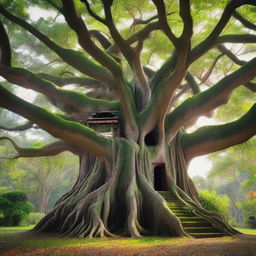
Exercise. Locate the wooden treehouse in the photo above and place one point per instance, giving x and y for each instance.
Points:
(105, 122)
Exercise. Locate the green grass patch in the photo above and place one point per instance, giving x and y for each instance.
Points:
(18, 228)
(248, 231)
(16, 239)
(14, 234)
(103, 242)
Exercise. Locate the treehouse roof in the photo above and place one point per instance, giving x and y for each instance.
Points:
(103, 117)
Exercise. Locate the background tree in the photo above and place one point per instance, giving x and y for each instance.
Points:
(14, 207)
(39, 173)
(238, 162)
(43, 180)
(157, 89)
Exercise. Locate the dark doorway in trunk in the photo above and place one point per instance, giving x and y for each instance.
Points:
(160, 183)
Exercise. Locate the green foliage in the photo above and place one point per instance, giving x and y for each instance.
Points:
(40, 174)
(212, 202)
(202, 183)
(240, 102)
(33, 218)
(15, 196)
(14, 207)
(249, 210)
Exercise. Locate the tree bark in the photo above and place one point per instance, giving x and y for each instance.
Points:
(118, 197)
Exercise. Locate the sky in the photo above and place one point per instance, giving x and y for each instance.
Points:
(200, 165)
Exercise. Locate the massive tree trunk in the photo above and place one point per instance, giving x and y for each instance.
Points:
(121, 196)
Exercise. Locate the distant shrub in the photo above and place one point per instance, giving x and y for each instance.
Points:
(34, 218)
(14, 207)
(212, 202)
(15, 196)
(249, 211)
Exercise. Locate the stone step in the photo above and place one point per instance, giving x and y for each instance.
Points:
(178, 212)
(176, 206)
(182, 210)
(193, 218)
(192, 230)
(195, 224)
(181, 215)
(170, 199)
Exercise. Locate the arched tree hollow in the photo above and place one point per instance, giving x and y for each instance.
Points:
(134, 184)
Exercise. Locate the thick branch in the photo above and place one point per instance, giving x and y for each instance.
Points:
(204, 46)
(164, 23)
(71, 132)
(155, 114)
(20, 127)
(208, 100)
(119, 85)
(167, 86)
(141, 35)
(236, 38)
(132, 55)
(232, 56)
(51, 149)
(144, 22)
(6, 54)
(213, 138)
(75, 100)
(163, 71)
(156, 111)
(76, 23)
(244, 21)
(80, 81)
(251, 86)
(92, 13)
(125, 48)
(101, 38)
(185, 14)
(192, 82)
(72, 57)
(170, 64)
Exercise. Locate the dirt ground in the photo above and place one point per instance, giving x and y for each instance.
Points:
(239, 246)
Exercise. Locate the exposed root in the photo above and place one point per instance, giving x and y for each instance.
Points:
(118, 198)
(160, 221)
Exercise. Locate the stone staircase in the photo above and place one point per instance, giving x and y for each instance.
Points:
(195, 226)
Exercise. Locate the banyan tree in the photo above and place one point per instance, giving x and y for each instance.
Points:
(145, 71)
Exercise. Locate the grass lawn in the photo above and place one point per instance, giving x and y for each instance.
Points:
(15, 229)
(248, 231)
(15, 242)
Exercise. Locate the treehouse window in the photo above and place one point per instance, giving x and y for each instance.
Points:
(104, 122)
(160, 182)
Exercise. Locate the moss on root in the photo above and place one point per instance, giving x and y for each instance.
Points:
(117, 197)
